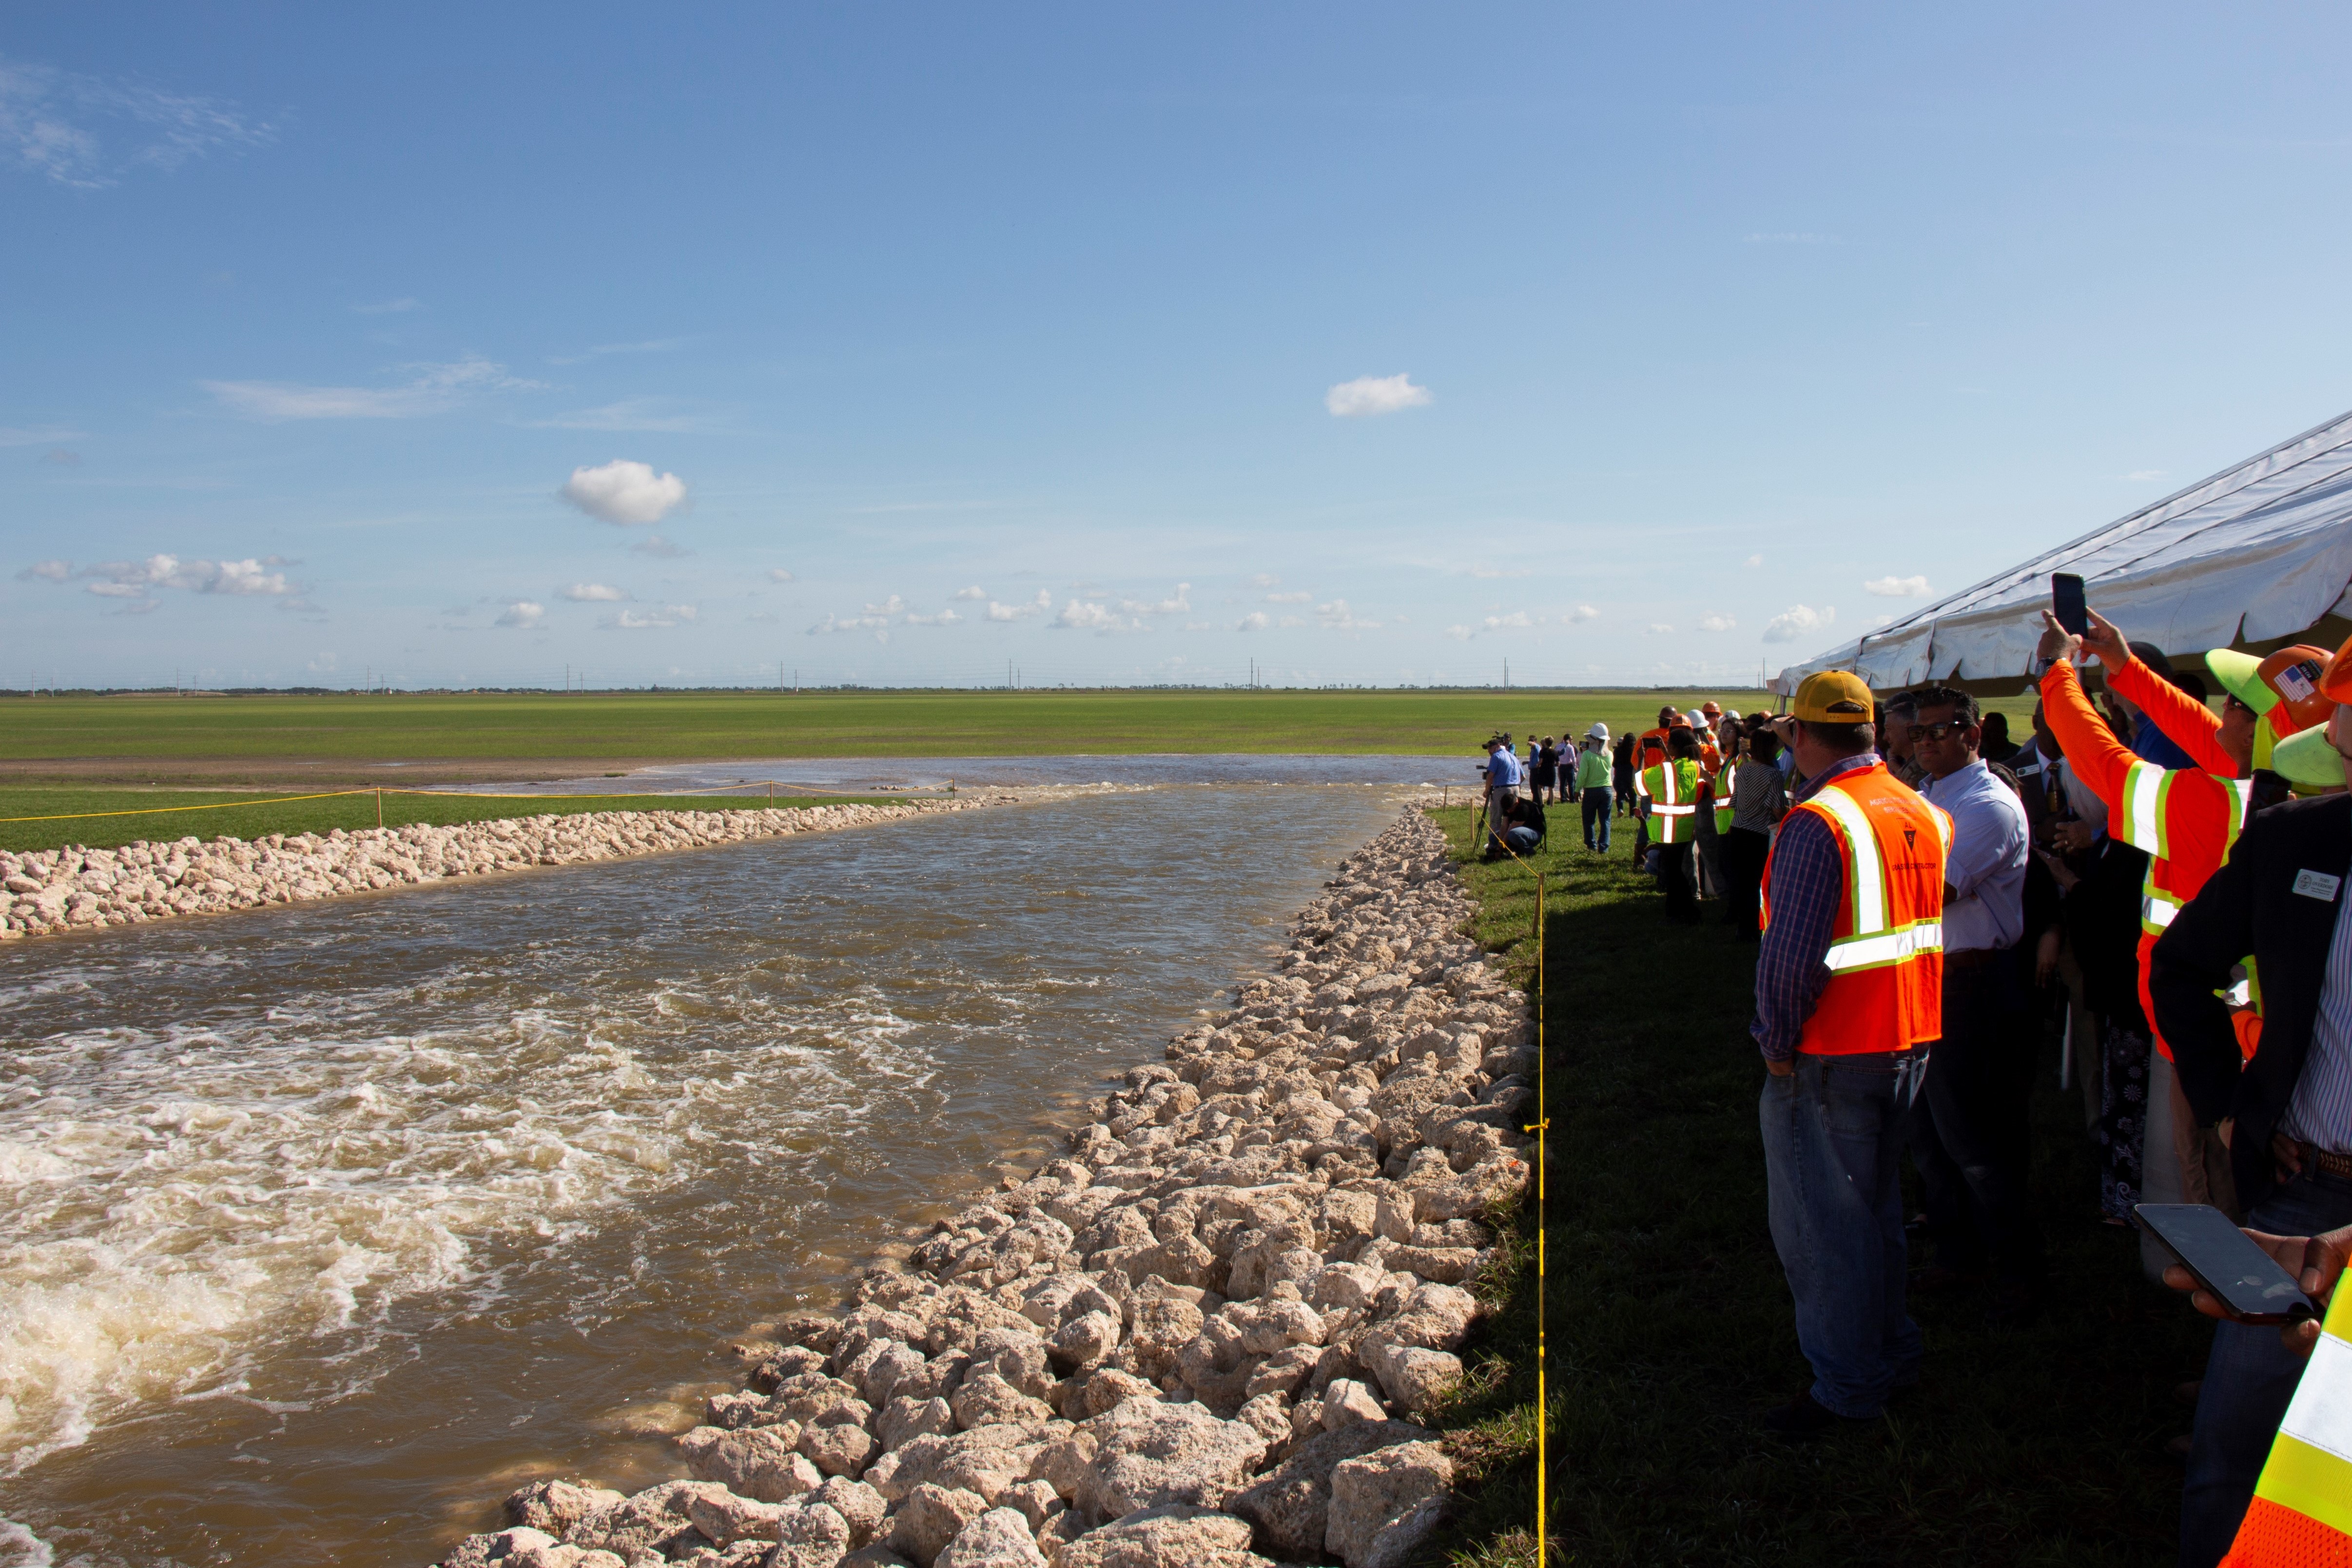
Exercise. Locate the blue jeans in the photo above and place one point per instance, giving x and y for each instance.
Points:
(1596, 807)
(1832, 1165)
(2249, 1378)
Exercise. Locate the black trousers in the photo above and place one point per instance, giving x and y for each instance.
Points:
(1743, 875)
(1970, 1130)
(1674, 879)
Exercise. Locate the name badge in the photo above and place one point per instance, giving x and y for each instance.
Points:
(2317, 884)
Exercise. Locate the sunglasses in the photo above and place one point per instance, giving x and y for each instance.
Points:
(1940, 732)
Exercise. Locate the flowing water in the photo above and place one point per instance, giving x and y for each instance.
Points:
(322, 1227)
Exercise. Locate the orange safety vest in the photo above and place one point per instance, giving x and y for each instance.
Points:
(1886, 959)
(1673, 788)
(2302, 1513)
(2185, 818)
(1650, 749)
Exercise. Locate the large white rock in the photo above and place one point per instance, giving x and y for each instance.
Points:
(997, 1539)
(1381, 1493)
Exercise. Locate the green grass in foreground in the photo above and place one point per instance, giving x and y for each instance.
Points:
(927, 723)
(237, 818)
(1670, 1322)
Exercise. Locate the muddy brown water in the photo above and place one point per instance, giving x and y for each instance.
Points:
(325, 1227)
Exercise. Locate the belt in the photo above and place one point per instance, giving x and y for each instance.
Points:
(1977, 957)
(2326, 1160)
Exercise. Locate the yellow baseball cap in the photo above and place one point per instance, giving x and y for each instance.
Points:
(1832, 697)
(2308, 760)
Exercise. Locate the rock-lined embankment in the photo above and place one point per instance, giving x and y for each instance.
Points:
(47, 891)
(1203, 1339)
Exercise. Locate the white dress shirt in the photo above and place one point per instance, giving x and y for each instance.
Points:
(1986, 868)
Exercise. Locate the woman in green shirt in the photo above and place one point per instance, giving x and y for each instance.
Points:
(1592, 786)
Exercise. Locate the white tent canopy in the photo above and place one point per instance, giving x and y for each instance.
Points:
(2258, 551)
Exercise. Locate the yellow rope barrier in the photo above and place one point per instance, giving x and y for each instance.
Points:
(215, 806)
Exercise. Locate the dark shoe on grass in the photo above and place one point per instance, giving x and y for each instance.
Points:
(1805, 1418)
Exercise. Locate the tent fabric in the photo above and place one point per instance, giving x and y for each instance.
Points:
(2260, 551)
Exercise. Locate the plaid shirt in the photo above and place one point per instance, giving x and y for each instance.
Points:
(1807, 886)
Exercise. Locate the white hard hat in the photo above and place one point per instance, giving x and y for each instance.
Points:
(1598, 732)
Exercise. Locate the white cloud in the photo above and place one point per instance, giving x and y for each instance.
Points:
(1374, 394)
(2142, 476)
(1717, 624)
(1796, 622)
(1037, 606)
(1753, 561)
(647, 620)
(877, 624)
(45, 572)
(1080, 615)
(432, 389)
(777, 574)
(656, 545)
(37, 436)
(593, 593)
(1897, 587)
(1177, 603)
(521, 614)
(249, 578)
(1256, 621)
(894, 605)
(118, 591)
(1660, 629)
(975, 593)
(944, 618)
(1340, 617)
(1584, 612)
(1460, 634)
(623, 493)
(388, 307)
(49, 121)
(1290, 598)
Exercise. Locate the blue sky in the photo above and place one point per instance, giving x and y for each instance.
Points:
(467, 344)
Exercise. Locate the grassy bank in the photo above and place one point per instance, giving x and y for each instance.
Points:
(651, 726)
(1670, 1323)
(160, 814)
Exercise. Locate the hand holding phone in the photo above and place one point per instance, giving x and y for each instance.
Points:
(2067, 603)
(2229, 1268)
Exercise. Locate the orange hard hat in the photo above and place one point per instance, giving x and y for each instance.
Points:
(2289, 688)
(1712, 710)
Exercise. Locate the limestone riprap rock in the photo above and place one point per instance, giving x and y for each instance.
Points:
(1173, 1536)
(1148, 1453)
(1000, 1538)
(929, 1517)
(555, 1506)
(757, 1462)
(1290, 1506)
(654, 1521)
(1377, 1501)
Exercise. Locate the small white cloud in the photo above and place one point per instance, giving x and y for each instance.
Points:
(593, 593)
(1460, 634)
(650, 619)
(1037, 606)
(49, 123)
(522, 615)
(1080, 615)
(1797, 621)
(388, 307)
(1584, 612)
(1340, 617)
(118, 591)
(1717, 624)
(45, 572)
(1753, 561)
(777, 574)
(243, 579)
(1256, 621)
(2142, 476)
(1176, 604)
(1369, 395)
(944, 618)
(1660, 629)
(623, 493)
(1290, 598)
(1897, 587)
(877, 624)
(665, 548)
(434, 389)
(894, 605)
(974, 593)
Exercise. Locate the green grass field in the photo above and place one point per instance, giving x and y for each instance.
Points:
(1670, 1328)
(237, 816)
(675, 726)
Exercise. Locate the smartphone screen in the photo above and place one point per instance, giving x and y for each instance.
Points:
(2066, 603)
(2227, 1263)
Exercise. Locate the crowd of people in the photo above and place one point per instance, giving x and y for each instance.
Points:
(2157, 884)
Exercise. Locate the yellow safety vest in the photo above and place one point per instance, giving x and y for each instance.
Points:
(2302, 1512)
(1723, 798)
(1674, 800)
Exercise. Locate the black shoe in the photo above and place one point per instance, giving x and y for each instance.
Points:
(1805, 1417)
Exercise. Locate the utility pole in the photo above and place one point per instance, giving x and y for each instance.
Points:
(1506, 674)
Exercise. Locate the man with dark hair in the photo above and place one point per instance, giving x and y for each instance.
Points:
(1971, 1129)
(1848, 994)
(1675, 786)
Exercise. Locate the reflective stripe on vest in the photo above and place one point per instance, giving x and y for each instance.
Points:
(2144, 823)
(2302, 1512)
(1667, 804)
(1875, 940)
